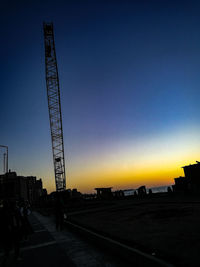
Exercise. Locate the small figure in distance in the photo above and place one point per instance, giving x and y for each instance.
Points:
(169, 190)
(26, 226)
(16, 229)
(5, 229)
(59, 212)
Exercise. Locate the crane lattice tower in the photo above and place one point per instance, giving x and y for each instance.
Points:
(54, 105)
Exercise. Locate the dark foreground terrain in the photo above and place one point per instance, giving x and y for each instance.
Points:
(52, 248)
(165, 226)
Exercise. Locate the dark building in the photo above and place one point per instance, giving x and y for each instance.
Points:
(192, 174)
(19, 187)
(13, 186)
(104, 193)
(119, 194)
(75, 193)
(181, 184)
(191, 181)
(31, 181)
(44, 192)
(34, 188)
(38, 188)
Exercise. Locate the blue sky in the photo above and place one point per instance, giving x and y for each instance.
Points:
(129, 74)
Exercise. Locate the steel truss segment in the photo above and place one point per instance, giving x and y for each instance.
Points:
(54, 105)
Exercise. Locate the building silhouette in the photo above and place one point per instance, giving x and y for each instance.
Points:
(104, 193)
(13, 186)
(191, 181)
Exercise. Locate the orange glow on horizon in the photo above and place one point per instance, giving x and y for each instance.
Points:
(127, 179)
(153, 162)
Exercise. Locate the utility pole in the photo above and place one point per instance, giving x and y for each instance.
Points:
(54, 105)
(4, 162)
(5, 165)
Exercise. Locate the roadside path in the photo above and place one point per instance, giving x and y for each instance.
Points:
(48, 247)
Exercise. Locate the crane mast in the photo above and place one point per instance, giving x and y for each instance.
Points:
(54, 105)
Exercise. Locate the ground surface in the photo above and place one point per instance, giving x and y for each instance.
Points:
(48, 247)
(166, 226)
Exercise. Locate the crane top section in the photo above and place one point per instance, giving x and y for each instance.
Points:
(49, 40)
(48, 28)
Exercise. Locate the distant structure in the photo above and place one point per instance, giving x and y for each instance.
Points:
(15, 187)
(5, 157)
(67, 196)
(104, 193)
(119, 194)
(181, 184)
(191, 181)
(75, 194)
(129, 192)
(54, 105)
(142, 191)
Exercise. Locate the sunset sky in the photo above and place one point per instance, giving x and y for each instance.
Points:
(130, 88)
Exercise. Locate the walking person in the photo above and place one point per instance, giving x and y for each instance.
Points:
(5, 229)
(59, 213)
(16, 230)
(26, 226)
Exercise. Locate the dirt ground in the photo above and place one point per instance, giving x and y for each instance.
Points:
(168, 226)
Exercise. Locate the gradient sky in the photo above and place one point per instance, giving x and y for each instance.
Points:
(130, 88)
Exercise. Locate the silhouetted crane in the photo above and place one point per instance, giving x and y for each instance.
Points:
(55, 116)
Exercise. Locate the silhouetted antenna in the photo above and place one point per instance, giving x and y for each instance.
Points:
(55, 117)
(5, 159)
(4, 162)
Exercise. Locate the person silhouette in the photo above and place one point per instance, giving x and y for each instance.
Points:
(16, 229)
(59, 212)
(5, 228)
